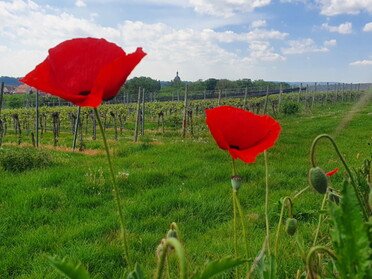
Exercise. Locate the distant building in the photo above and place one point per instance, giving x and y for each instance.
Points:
(9, 89)
(24, 89)
(177, 78)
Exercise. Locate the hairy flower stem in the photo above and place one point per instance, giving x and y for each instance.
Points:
(116, 191)
(313, 250)
(320, 218)
(290, 213)
(237, 276)
(235, 234)
(172, 242)
(237, 207)
(241, 215)
(267, 203)
(313, 164)
(301, 192)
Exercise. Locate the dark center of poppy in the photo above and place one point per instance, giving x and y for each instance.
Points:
(234, 147)
(84, 93)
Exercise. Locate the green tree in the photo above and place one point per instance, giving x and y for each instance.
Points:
(210, 84)
(132, 85)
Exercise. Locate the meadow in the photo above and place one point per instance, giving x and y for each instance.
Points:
(65, 207)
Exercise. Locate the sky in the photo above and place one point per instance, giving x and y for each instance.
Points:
(274, 40)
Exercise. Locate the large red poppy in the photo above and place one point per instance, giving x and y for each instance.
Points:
(84, 71)
(243, 133)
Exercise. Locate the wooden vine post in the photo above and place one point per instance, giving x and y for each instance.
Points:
(1, 104)
(37, 119)
(312, 103)
(56, 123)
(184, 120)
(219, 97)
(143, 113)
(280, 95)
(299, 94)
(137, 115)
(77, 120)
(1, 96)
(245, 98)
(266, 100)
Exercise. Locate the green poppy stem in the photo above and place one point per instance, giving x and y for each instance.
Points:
(116, 191)
(320, 218)
(235, 234)
(233, 166)
(241, 215)
(309, 256)
(313, 164)
(300, 192)
(267, 203)
(281, 220)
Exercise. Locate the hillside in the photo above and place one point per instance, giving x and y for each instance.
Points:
(10, 80)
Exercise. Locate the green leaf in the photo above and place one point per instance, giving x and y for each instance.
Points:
(70, 270)
(137, 273)
(266, 267)
(350, 237)
(214, 267)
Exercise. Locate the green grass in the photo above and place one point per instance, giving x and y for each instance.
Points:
(59, 210)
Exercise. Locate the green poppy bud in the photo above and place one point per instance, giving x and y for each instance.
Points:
(370, 199)
(236, 182)
(318, 180)
(172, 233)
(291, 226)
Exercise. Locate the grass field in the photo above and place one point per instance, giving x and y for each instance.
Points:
(67, 208)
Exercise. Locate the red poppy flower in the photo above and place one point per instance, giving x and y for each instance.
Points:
(243, 133)
(84, 71)
(332, 172)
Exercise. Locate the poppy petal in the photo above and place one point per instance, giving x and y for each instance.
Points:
(243, 133)
(91, 66)
(332, 172)
(42, 78)
(249, 155)
(113, 76)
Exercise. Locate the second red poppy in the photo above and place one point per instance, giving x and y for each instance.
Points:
(243, 133)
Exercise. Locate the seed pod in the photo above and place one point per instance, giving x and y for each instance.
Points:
(172, 233)
(291, 226)
(318, 180)
(236, 182)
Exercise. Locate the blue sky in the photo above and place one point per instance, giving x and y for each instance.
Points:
(278, 40)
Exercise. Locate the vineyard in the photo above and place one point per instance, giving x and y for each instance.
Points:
(27, 125)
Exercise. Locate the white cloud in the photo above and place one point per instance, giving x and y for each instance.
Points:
(344, 28)
(336, 7)
(3, 48)
(330, 43)
(262, 51)
(33, 30)
(80, 4)
(226, 8)
(303, 46)
(368, 27)
(258, 23)
(361, 63)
